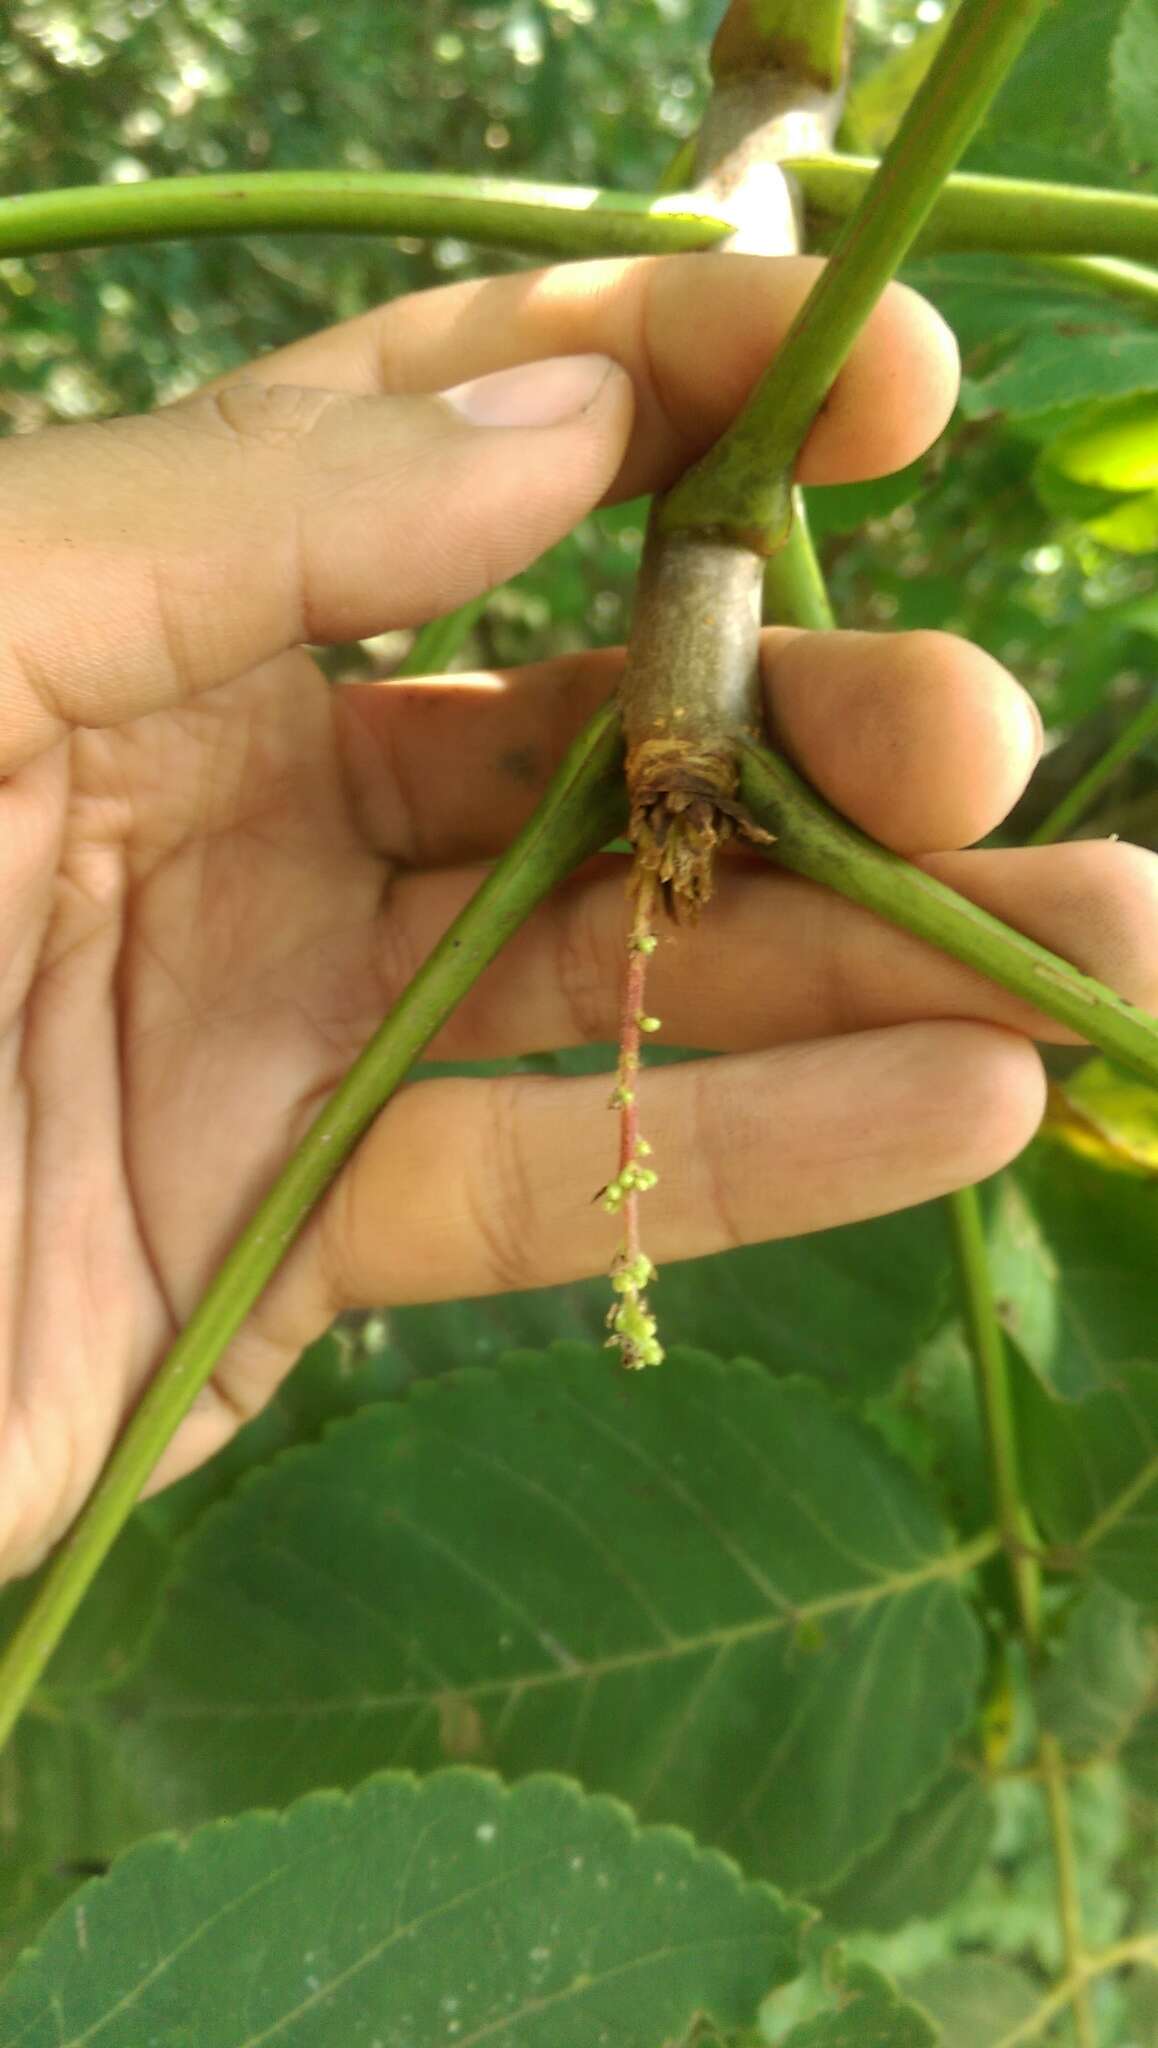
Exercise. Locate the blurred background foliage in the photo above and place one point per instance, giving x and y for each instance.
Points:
(1013, 531)
(1031, 528)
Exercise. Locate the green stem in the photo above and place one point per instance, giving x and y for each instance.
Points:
(1077, 800)
(795, 593)
(803, 39)
(1018, 216)
(741, 487)
(1069, 1899)
(1107, 276)
(436, 645)
(995, 1401)
(583, 808)
(812, 840)
(559, 220)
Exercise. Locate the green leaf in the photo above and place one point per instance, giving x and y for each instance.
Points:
(66, 1805)
(1101, 1677)
(1073, 1256)
(926, 1862)
(976, 1999)
(1103, 469)
(1101, 359)
(1091, 1475)
(453, 1911)
(871, 2013)
(1036, 346)
(1114, 445)
(708, 1591)
(1053, 119)
(1103, 1114)
(1140, 1755)
(1134, 84)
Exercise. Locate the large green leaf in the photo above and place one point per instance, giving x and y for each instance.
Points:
(1074, 1252)
(1101, 1678)
(1134, 85)
(706, 1590)
(453, 1911)
(925, 1863)
(1091, 1475)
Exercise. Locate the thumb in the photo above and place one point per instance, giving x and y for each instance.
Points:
(145, 560)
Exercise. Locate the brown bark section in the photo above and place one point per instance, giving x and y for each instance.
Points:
(691, 691)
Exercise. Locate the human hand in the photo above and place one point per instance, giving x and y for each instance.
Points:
(217, 872)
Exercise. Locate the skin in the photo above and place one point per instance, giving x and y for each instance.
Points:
(216, 871)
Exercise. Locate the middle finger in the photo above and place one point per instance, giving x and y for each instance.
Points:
(919, 738)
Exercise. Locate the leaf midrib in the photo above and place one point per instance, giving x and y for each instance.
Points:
(949, 1565)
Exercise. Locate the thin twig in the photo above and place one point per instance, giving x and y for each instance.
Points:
(1124, 1955)
(1055, 1781)
(995, 1400)
(1080, 797)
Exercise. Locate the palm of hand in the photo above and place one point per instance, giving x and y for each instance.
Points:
(208, 959)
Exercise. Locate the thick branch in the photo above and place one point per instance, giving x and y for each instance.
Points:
(741, 489)
(691, 684)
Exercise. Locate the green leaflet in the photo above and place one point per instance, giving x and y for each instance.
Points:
(449, 1912)
(710, 1592)
(1072, 1250)
(1134, 86)
(1102, 1676)
(1103, 470)
(1091, 1476)
(1140, 1755)
(1052, 118)
(66, 1805)
(926, 1861)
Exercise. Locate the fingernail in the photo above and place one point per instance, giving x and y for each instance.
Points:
(540, 394)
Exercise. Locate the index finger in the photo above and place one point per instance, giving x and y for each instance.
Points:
(694, 332)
